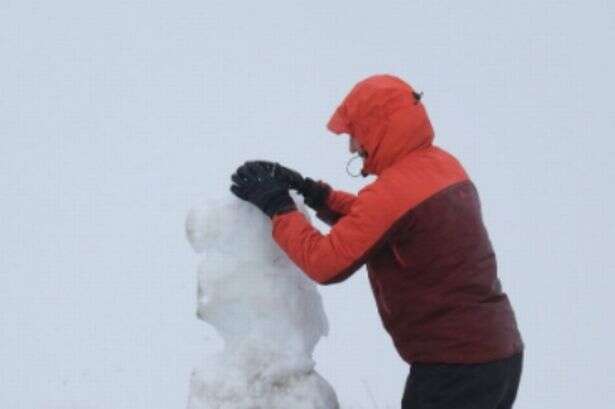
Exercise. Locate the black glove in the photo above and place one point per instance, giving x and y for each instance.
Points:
(314, 193)
(291, 178)
(256, 184)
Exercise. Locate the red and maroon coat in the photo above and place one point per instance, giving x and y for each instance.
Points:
(418, 229)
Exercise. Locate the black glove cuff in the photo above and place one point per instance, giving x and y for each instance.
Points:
(282, 203)
(315, 193)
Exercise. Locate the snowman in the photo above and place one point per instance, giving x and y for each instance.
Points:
(268, 313)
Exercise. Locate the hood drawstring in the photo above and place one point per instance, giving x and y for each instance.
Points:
(352, 159)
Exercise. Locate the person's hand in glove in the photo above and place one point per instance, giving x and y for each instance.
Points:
(314, 193)
(256, 183)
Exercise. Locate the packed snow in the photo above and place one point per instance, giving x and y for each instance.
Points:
(269, 314)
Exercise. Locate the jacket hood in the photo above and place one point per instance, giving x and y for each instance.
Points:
(389, 122)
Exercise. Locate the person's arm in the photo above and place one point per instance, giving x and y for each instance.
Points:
(335, 205)
(333, 257)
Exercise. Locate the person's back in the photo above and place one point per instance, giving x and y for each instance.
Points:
(435, 276)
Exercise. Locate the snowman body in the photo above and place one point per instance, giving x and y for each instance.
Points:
(269, 314)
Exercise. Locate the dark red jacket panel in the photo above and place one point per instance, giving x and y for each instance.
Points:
(436, 286)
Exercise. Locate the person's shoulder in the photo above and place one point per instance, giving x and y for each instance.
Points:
(434, 164)
(371, 189)
(392, 192)
(419, 176)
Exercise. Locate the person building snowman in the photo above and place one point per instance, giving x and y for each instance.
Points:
(419, 231)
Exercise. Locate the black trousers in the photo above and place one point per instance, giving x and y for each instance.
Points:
(492, 385)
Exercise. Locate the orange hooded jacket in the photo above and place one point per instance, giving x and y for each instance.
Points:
(418, 228)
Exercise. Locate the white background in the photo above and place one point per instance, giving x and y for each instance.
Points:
(115, 116)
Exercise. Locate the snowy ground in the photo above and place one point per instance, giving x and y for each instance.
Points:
(116, 116)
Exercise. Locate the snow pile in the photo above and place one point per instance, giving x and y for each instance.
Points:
(268, 313)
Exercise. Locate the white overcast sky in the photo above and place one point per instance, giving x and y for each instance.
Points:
(116, 116)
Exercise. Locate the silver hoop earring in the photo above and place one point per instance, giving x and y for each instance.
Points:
(354, 175)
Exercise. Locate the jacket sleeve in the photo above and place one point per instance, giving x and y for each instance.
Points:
(337, 205)
(333, 257)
